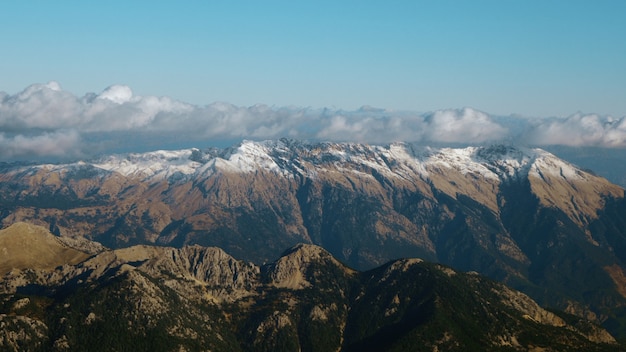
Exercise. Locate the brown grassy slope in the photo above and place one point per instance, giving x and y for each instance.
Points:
(23, 246)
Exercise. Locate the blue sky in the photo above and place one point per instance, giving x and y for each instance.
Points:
(78, 79)
(534, 58)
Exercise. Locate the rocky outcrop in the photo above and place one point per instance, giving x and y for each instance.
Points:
(291, 270)
(222, 277)
(20, 333)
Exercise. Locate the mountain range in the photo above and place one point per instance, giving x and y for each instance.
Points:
(147, 298)
(520, 216)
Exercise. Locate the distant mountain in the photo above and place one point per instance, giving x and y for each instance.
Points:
(146, 298)
(521, 216)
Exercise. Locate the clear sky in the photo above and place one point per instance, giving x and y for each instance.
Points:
(534, 58)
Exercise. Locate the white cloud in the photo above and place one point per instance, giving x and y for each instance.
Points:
(117, 94)
(58, 144)
(40, 106)
(45, 121)
(463, 126)
(579, 130)
(444, 126)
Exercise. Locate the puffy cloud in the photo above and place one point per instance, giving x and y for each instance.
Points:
(43, 120)
(39, 106)
(380, 128)
(47, 106)
(579, 130)
(444, 126)
(57, 145)
(117, 94)
(467, 126)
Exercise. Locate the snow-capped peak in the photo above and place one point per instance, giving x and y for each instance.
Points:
(250, 156)
(158, 163)
(282, 157)
(291, 158)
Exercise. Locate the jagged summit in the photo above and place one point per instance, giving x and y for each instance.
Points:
(306, 250)
(291, 270)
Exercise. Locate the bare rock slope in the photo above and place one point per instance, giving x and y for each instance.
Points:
(197, 298)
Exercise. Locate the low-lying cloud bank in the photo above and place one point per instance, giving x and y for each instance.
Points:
(44, 121)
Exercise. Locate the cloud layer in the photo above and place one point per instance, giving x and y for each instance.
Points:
(44, 121)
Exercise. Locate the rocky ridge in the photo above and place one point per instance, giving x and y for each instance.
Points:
(192, 298)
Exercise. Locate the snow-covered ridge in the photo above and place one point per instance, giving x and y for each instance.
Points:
(158, 163)
(288, 157)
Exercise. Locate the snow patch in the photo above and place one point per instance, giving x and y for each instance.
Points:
(160, 164)
(294, 159)
(461, 160)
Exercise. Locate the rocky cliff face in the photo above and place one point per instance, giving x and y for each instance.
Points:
(199, 298)
(518, 215)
